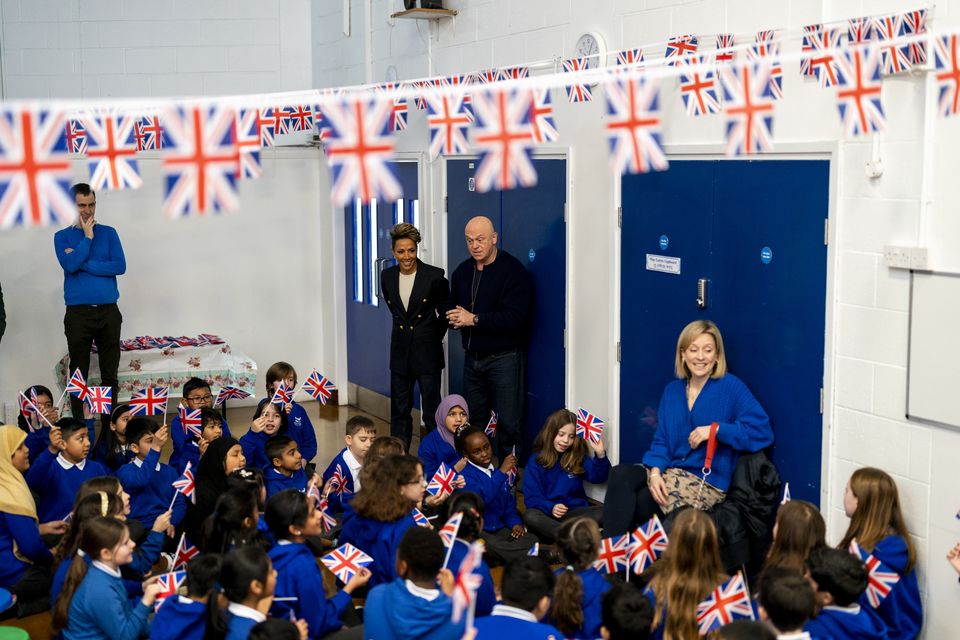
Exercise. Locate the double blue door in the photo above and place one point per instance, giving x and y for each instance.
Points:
(754, 233)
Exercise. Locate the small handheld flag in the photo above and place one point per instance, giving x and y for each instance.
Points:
(512, 474)
(346, 562)
(77, 386)
(99, 399)
(186, 485)
(441, 484)
(339, 478)
(419, 518)
(881, 580)
(230, 393)
(728, 602)
(466, 585)
(149, 402)
(314, 492)
(589, 426)
(283, 394)
(647, 543)
(327, 521)
(170, 584)
(786, 493)
(449, 531)
(190, 421)
(612, 554)
(185, 553)
(318, 386)
(491, 428)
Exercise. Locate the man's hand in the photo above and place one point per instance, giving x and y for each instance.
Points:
(460, 317)
(87, 226)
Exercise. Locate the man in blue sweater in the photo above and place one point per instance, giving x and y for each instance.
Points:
(92, 258)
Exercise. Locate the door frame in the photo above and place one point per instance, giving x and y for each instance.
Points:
(823, 150)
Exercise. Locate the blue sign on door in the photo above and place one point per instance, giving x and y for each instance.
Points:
(766, 255)
(664, 242)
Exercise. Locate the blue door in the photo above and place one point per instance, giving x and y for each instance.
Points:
(530, 226)
(755, 232)
(367, 253)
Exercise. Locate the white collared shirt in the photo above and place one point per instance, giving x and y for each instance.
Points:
(184, 600)
(67, 465)
(354, 465)
(244, 611)
(137, 461)
(427, 594)
(106, 568)
(513, 612)
(799, 635)
(853, 609)
(487, 470)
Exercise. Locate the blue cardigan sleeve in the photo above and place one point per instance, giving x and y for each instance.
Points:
(533, 490)
(23, 529)
(750, 431)
(658, 455)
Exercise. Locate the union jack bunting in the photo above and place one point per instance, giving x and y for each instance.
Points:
(543, 128)
(698, 86)
(629, 57)
(728, 602)
(111, 148)
(680, 46)
(149, 402)
(441, 484)
(577, 92)
(170, 584)
(892, 53)
(881, 579)
(612, 554)
(77, 386)
(766, 49)
(491, 428)
(34, 169)
(320, 125)
(589, 426)
(448, 533)
(318, 386)
(346, 562)
(860, 30)
(359, 149)
(647, 543)
(339, 484)
(327, 521)
(201, 161)
(230, 393)
(467, 583)
(248, 144)
(748, 103)
(513, 73)
(277, 120)
(185, 484)
(502, 136)
(148, 134)
(76, 137)
(418, 100)
(633, 127)
(300, 118)
(818, 60)
(534, 550)
(914, 23)
(486, 77)
(725, 44)
(99, 399)
(449, 121)
(210, 338)
(190, 421)
(459, 81)
(858, 93)
(419, 518)
(398, 116)
(786, 493)
(948, 73)
(185, 553)
(283, 394)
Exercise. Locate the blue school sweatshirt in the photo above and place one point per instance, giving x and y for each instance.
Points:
(395, 611)
(301, 430)
(144, 557)
(254, 449)
(150, 485)
(501, 505)
(179, 618)
(39, 440)
(512, 622)
(338, 499)
(298, 576)
(377, 539)
(594, 586)
(183, 443)
(486, 595)
(276, 481)
(239, 625)
(56, 482)
(847, 623)
(100, 609)
(112, 460)
(545, 488)
(91, 267)
(433, 450)
(902, 609)
(23, 531)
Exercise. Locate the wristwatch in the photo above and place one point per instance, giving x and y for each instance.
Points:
(476, 319)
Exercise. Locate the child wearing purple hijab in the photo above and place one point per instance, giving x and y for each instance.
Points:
(439, 445)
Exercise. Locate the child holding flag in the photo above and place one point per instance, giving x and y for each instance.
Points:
(345, 467)
(196, 395)
(185, 617)
(299, 425)
(149, 481)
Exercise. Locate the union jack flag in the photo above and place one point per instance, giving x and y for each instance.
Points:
(76, 137)
(111, 148)
(459, 81)
(612, 554)
(149, 402)
(534, 550)
(318, 386)
(914, 23)
(468, 581)
(589, 426)
(766, 49)
(190, 421)
(513, 73)
(230, 393)
(491, 428)
(398, 117)
(34, 169)
(512, 474)
(99, 399)
(680, 46)
(278, 121)
(486, 77)
(698, 86)
(818, 61)
(201, 160)
(786, 493)
(327, 521)
(502, 136)
(346, 562)
(543, 128)
(28, 405)
(185, 485)
(339, 484)
(629, 57)
(858, 93)
(881, 579)
(300, 118)
(77, 386)
(441, 484)
(418, 100)
(419, 518)
(359, 149)
(578, 92)
(248, 143)
(892, 54)
(449, 120)
(728, 602)
(185, 553)
(448, 533)
(634, 125)
(725, 44)
(170, 584)
(149, 135)
(210, 338)
(948, 73)
(314, 492)
(647, 543)
(860, 30)
(283, 394)
(748, 103)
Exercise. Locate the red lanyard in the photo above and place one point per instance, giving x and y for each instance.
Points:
(711, 448)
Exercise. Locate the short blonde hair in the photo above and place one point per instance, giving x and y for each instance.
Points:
(690, 333)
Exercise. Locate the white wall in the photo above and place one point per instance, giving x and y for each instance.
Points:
(866, 328)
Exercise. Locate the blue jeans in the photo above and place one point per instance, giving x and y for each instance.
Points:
(498, 381)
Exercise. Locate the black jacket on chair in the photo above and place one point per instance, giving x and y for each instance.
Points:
(416, 343)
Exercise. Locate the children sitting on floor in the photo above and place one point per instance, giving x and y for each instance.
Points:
(787, 601)
(839, 580)
(286, 466)
(471, 527)
(299, 426)
(149, 481)
(196, 395)
(36, 427)
(580, 587)
(527, 588)
(440, 444)
(268, 420)
(211, 428)
(626, 613)
(185, 617)
(345, 466)
(111, 449)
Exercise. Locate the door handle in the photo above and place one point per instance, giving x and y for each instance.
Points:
(703, 290)
(377, 271)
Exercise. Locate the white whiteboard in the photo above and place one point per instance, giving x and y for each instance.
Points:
(931, 370)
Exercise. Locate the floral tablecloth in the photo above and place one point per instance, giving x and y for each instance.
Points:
(171, 366)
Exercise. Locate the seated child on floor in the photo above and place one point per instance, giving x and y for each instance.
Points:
(345, 467)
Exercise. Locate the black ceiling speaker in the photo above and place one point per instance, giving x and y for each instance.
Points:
(424, 4)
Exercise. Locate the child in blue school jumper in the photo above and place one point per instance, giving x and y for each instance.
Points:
(787, 601)
(36, 428)
(247, 578)
(504, 534)
(292, 518)
(94, 602)
(553, 480)
(872, 503)
(299, 426)
(110, 448)
(414, 606)
(268, 420)
(440, 444)
(580, 587)
(526, 589)
(626, 613)
(471, 506)
(196, 395)
(211, 428)
(360, 434)
(185, 617)
(286, 467)
(61, 468)
(149, 481)
(840, 580)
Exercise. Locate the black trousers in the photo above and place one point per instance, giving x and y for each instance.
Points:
(628, 501)
(545, 526)
(498, 381)
(33, 591)
(84, 326)
(401, 402)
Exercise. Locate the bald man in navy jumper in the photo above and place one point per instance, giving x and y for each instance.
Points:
(92, 258)
(490, 295)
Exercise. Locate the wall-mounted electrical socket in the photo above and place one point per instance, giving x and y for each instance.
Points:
(918, 258)
(10, 412)
(905, 257)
